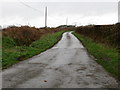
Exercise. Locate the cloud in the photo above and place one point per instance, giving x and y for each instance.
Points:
(99, 20)
(60, 0)
(77, 12)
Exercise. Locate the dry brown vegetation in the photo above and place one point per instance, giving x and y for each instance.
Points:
(25, 35)
(107, 34)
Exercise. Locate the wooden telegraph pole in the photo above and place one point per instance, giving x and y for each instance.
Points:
(46, 17)
(66, 21)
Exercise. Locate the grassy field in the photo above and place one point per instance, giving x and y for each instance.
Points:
(105, 56)
(13, 54)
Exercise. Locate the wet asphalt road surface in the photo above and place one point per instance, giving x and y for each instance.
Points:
(66, 65)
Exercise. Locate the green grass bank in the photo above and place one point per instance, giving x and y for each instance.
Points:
(106, 56)
(11, 53)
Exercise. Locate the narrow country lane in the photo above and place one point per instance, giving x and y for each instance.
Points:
(66, 65)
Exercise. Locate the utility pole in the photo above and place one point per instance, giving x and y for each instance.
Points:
(66, 21)
(119, 12)
(46, 17)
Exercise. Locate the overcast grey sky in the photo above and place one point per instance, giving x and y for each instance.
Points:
(31, 12)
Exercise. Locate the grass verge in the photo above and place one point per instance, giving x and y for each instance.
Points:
(105, 56)
(12, 54)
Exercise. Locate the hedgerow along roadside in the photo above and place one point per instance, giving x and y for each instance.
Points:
(11, 53)
(106, 34)
(106, 56)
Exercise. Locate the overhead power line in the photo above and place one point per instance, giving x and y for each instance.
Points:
(37, 11)
(29, 6)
